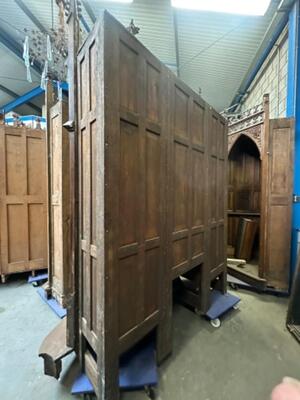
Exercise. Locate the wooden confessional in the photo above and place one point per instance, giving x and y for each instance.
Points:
(260, 164)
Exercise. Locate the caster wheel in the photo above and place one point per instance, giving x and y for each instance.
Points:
(150, 392)
(216, 323)
(236, 307)
(89, 397)
(233, 286)
(198, 312)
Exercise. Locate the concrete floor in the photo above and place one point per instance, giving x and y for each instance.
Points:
(244, 359)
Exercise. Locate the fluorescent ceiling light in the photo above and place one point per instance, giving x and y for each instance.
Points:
(121, 1)
(248, 7)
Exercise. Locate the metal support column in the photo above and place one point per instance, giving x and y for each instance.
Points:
(293, 110)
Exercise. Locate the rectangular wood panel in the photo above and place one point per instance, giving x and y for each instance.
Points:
(23, 199)
(143, 179)
(60, 270)
(279, 192)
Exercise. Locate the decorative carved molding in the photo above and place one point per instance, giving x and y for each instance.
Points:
(250, 124)
(254, 133)
(252, 112)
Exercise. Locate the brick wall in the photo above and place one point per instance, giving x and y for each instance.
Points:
(272, 79)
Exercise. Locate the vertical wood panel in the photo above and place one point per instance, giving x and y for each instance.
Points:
(23, 200)
(60, 218)
(150, 151)
(279, 203)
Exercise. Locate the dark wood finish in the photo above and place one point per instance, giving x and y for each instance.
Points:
(23, 199)
(244, 184)
(247, 230)
(122, 154)
(60, 269)
(216, 207)
(278, 203)
(144, 166)
(260, 185)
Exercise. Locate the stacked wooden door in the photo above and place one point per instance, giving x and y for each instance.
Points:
(60, 218)
(23, 200)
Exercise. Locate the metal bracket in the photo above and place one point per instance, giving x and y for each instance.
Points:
(70, 126)
(296, 198)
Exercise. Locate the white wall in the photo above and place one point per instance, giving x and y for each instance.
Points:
(272, 79)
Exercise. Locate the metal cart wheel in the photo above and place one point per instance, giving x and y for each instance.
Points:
(216, 323)
(233, 286)
(89, 396)
(198, 312)
(150, 392)
(236, 307)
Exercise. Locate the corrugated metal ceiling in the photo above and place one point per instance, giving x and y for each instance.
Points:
(214, 50)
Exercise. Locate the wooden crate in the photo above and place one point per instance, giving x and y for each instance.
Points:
(148, 209)
(23, 200)
(60, 216)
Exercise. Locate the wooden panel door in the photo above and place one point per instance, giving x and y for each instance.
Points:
(59, 244)
(23, 199)
(277, 204)
(216, 207)
(122, 153)
(217, 190)
(187, 179)
(135, 198)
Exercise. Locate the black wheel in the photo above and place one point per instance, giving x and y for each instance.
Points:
(233, 286)
(150, 392)
(89, 396)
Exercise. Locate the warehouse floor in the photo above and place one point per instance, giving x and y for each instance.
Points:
(243, 359)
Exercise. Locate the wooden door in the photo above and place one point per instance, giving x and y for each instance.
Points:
(187, 179)
(60, 218)
(23, 199)
(122, 159)
(216, 206)
(277, 202)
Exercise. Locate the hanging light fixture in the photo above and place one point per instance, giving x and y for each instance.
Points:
(49, 49)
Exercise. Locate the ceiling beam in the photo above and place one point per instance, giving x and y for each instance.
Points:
(16, 96)
(85, 24)
(31, 16)
(23, 99)
(175, 23)
(16, 48)
(89, 10)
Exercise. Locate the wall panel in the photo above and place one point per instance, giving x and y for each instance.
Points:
(23, 200)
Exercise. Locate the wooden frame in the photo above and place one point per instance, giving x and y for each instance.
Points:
(60, 218)
(134, 115)
(275, 141)
(23, 200)
(135, 190)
